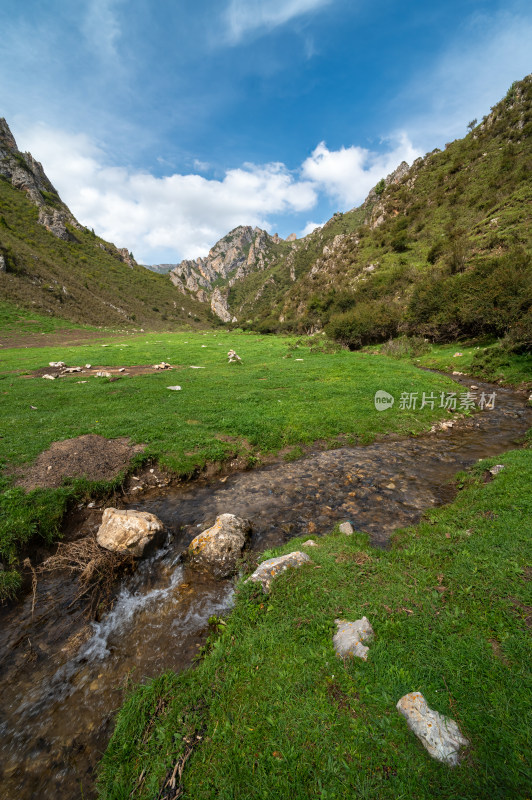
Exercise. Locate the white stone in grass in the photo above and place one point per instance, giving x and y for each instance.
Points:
(269, 569)
(50, 377)
(174, 388)
(348, 641)
(346, 528)
(496, 469)
(309, 543)
(56, 364)
(439, 735)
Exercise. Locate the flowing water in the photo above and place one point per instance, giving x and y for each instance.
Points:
(62, 679)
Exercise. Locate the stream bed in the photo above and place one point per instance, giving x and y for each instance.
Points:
(64, 678)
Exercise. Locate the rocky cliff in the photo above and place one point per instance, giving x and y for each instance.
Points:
(241, 252)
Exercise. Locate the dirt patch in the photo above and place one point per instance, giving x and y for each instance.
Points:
(90, 456)
(92, 372)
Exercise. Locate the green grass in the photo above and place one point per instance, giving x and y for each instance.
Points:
(488, 360)
(260, 407)
(280, 715)
(16, 321)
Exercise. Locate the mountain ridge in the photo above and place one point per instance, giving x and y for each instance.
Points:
(51, 263)
(440, 248)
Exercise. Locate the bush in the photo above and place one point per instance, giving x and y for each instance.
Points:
(366, 323)
(406, 347)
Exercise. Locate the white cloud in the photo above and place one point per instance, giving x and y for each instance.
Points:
(181, 214)
(242, 16)
(201, 166)
(309, 227)
(348, 174)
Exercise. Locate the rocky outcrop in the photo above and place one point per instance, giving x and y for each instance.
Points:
(439, 735)
(55, 220)
(27, 174)
(126, 256)
(373, 205)
(136, 533)
(269, 569)
(244, 250)
(218, 548)
(219, 306)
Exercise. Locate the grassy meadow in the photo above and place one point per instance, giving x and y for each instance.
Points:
(271, 712)
(287, 392)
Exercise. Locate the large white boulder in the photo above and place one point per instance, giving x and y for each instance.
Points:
(137, 533)
(218, 548)
(439, 735)
(269, 569)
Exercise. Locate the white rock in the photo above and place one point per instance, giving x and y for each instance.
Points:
(50, 377)
(496, 469)
(56, 364)
(350, 636)
(133, 532)
(73, 369)
(102, 374)
(218, 548)
(346, 528)
(309, 543)
(233, 358)
(269, 569)
(439, 735)
(88, 366)
(174, 388)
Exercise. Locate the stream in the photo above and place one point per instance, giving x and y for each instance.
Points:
(64, 678)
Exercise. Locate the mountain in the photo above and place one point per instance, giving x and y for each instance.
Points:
(52, 264)
(160, 269)
(241, 252)
(439, 249)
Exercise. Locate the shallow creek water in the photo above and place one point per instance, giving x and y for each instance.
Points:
(62, 679)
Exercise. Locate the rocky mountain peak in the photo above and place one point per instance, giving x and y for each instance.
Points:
(240, 252)
(7, 140)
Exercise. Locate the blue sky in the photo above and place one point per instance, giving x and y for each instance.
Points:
(166, 123)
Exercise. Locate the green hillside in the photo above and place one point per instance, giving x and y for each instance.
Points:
(80, 277)
(441, 250)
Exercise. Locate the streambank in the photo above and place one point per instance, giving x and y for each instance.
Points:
(63, 678)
